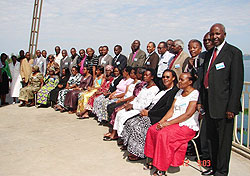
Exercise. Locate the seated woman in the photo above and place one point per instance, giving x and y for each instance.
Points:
(52, 63)
(83, 97)
(135, 129)
(101, 112)
(131, 92)
(71, 99)
(49, 83)
(34, 84)
(166, 141)
(102, 90)
(73, 82)
(133, 108)
(116, 80)
(61, 85)
(136, 75)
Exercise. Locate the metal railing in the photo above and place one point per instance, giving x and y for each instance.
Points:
(242, 125)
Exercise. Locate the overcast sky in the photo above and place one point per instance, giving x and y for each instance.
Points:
(82, 24)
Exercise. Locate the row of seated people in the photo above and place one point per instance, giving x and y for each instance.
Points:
(151, 122)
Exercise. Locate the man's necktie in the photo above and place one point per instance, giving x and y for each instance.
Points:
(211, 63)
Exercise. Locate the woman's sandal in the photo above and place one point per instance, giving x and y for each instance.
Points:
(108, 138)
(148, 166)
(134, 158)
(159, 173)
(123, 147)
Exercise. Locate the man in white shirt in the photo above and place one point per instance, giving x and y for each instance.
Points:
(163, 64)
(58, 55)
(40, 62)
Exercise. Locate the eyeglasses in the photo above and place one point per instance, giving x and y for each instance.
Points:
(165, 77)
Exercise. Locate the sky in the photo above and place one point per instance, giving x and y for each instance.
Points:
(83, 24)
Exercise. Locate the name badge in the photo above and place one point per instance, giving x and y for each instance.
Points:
(177, 66)
(148, 63)
(220, 66)
(66, 63)
(135, 59)
(103, 62)
(118, 63)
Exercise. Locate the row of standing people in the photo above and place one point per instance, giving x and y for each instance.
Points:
(222, 68)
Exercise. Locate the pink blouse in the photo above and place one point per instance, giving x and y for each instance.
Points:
(121, 87)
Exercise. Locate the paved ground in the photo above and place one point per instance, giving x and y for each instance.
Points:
(42, 142)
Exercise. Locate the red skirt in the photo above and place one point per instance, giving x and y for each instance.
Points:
(168, 146)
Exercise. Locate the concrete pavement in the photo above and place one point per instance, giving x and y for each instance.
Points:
(42, 142)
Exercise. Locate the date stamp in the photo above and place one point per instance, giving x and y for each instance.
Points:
(203, 163)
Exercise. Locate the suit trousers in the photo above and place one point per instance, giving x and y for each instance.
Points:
(219, 133)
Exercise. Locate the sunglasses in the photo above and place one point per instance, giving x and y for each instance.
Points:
(165, 77)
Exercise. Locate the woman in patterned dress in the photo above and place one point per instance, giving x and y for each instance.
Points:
(101, 113)
(34, 84)
(50, 82)
(102, 90)
(97, 102)
(71, 99)
(83, 97)
(143, 100)
(135, 129)
(73, 82)
(61, 85)
(52, 63)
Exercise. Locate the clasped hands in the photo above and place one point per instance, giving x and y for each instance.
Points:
(161, 125)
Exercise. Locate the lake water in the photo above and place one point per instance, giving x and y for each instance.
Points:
(245, 126)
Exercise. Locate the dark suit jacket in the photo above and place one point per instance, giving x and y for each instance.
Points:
(197, 71)
(138, 60)
(115, 82)
(120, 62)
(152, 61)
(162, 106)
(225, 82)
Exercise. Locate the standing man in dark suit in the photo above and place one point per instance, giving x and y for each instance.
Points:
(119, 59)
(137, 57)
(152, 58)
(223, 83)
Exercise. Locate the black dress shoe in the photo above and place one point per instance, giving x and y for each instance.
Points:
(208, 172)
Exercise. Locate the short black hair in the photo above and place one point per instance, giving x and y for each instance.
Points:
(152, 71)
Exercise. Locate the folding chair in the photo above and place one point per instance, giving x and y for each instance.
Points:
(195, 146)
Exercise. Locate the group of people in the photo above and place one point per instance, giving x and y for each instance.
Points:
(152, 102)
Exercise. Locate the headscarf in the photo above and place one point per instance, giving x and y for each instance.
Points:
(109, 67)
(36, 68)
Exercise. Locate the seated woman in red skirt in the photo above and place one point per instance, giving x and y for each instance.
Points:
(166, 141)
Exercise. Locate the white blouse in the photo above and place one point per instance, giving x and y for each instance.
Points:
(180, 108)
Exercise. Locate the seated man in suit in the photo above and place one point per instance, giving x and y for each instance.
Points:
(119, 60)
(105, 59)
(176, 63)
(137, 57)
(152, 58)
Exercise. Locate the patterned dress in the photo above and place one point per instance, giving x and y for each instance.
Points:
(101, 110)
(62, 93)
(27, 93)
(71, 99)
(49, 84)
(83, 97)
(135, 129)
(104, 88)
